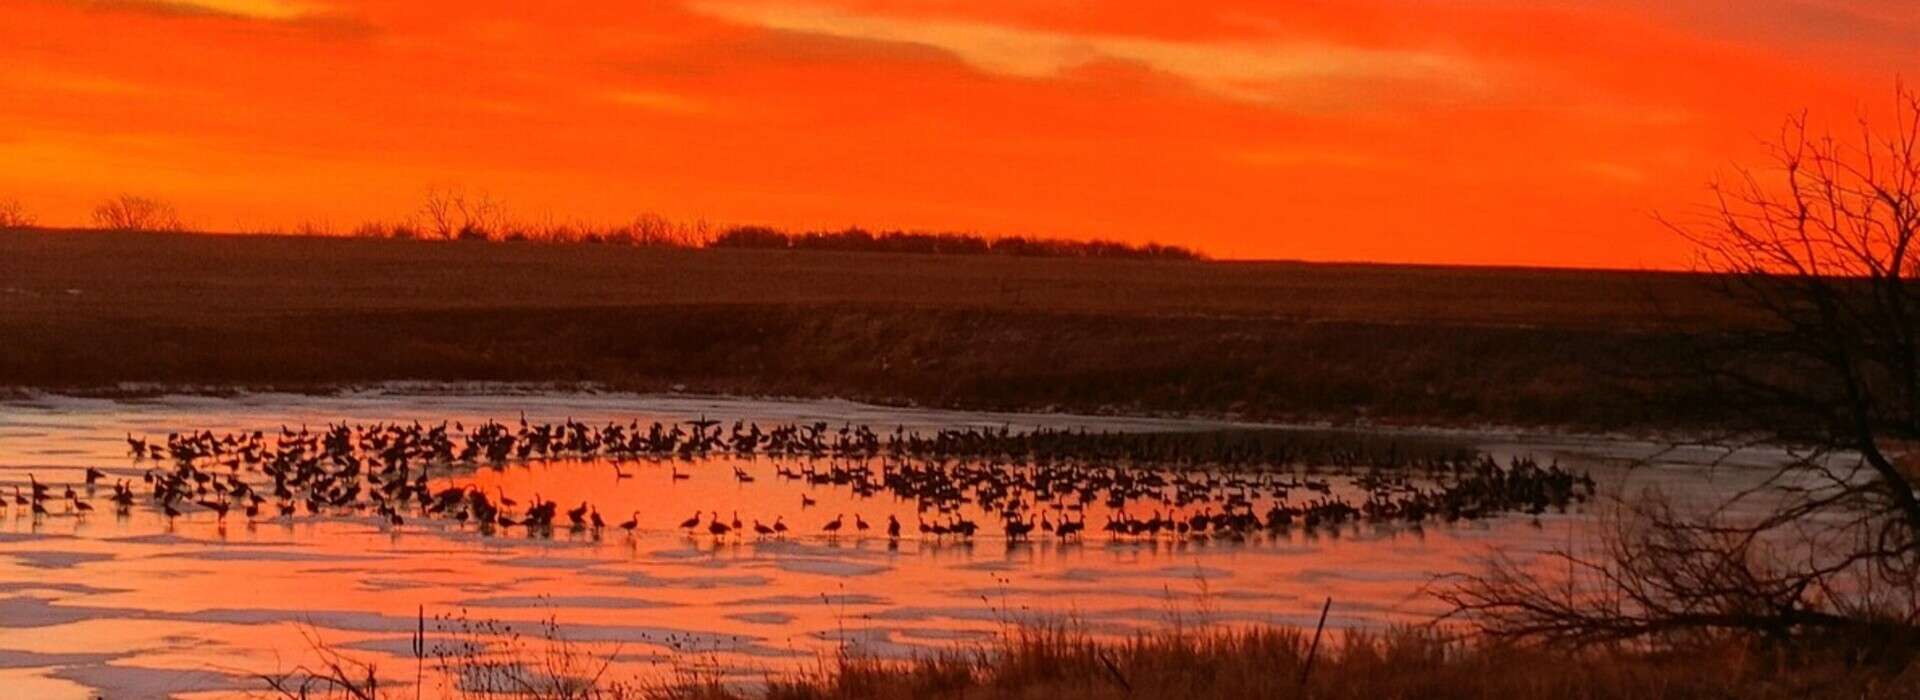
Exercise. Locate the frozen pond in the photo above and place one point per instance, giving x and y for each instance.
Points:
(141, 605)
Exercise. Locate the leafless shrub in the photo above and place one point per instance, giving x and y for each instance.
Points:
(453, 214)
(135, 213)
(374, 229)
(659, 231)
(477, 660)
(333, 676)
(14, 216)
(492, 660)
(1822, 247)
(314, 228)
(1662, 577)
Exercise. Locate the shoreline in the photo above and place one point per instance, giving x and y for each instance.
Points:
(1674, 446)
(113, 314)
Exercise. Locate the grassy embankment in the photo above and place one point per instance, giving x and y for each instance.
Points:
(1272, 662)
(1231, 664)
(87, 312)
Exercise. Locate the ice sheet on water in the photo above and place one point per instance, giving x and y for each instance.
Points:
(782, 601)
(565, 601)
(761, 618)
(34, 659)
(279, 555)
(646, 579)
(828, 567)
(58, 560)
(143, 683)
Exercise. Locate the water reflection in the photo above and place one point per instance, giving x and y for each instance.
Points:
(141, 605)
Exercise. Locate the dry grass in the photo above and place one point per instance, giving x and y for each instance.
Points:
(1271, 662)
(1052, 663)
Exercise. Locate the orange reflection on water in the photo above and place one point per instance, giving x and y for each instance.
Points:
(135, 604)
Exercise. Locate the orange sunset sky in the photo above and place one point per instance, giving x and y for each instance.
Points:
(1456, 131)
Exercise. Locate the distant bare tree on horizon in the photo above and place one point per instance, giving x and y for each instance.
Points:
(13, 216)
(135, 213)
(453, 214)
(1823, 248)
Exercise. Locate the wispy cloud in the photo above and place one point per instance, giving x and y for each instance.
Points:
(302, 15)
(1258, 71)
(268, 10)
(255, 9)
(657, 101)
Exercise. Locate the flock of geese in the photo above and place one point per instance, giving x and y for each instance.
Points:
(1026, 484)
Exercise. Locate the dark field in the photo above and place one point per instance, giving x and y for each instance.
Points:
(88, 312)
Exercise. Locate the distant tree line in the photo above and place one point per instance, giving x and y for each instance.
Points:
(455, 215)
(861, 240)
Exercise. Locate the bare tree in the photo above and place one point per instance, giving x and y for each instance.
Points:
(657, 230)
(134, 213)
(1821, 249)
(13, 216)
(452, 214)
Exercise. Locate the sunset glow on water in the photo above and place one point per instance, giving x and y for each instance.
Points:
(194, 604)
